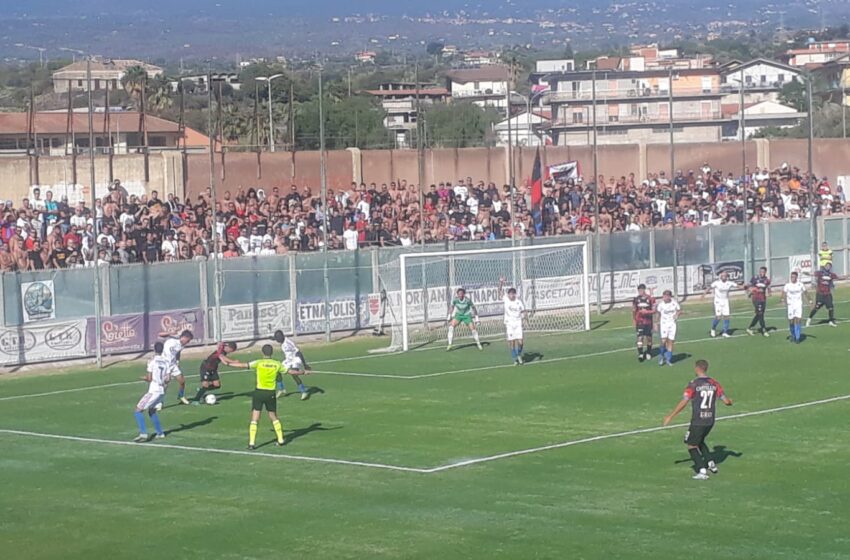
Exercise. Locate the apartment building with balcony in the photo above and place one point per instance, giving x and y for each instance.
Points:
(399, 102)
(635, 106)
(762, 79)
(816, 53)
(486, 86)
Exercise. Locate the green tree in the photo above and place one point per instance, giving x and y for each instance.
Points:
(460, 125)
(793, 94)
(134, 81)
(356, 121)
(159, 94)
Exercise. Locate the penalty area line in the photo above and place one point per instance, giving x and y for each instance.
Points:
(80, 439)
(532, 450)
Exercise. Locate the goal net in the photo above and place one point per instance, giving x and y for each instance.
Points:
(418, 288)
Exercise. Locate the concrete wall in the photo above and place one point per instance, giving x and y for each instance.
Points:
(282, 169)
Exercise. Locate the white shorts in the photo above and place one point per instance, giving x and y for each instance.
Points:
(795, 311)
(514, 331)
(294, 363)
(667, 331)
(150, 400)
(721, 308)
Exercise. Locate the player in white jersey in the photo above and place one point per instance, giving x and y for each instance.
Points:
(295, 363)
(721, 288)
(514, 316)
(171, 352)
(793, 294)
(160, 373)
(668, 311)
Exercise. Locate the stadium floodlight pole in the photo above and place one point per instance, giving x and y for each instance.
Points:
(324, 189)
(269, 80)
(742, 126)
(512, 189)
(597, 248)
(218, 331)
(813, 208)
(672, 175)
(92, 178)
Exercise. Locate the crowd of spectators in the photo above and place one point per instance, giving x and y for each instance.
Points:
(43, 232)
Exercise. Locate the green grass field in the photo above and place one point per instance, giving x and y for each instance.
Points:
(404, 461)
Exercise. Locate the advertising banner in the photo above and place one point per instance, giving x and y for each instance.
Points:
(38, 301)
(44, 342)
(138, 333)
(803, 265)
(708, 273)
(345, 314)
(255, 320)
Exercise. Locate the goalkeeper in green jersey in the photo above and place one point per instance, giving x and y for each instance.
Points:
(463, 311)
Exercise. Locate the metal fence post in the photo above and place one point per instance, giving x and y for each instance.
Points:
(205, 299)
(105, 293)
(293, 291)
(2, 299)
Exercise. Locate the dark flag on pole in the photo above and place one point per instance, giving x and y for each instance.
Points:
(537, 179)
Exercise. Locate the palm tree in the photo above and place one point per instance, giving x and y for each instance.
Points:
(159, 94)
(134, 81)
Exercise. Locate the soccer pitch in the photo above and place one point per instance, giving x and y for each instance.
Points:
(450, 455)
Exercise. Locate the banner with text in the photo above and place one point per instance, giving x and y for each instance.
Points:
(38, 301)
(258, 320)
(803, 265)
(138, 333)
(44, 342)
(708, 273)
(345, 314)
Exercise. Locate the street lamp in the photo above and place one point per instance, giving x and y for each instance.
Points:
(39, 49)
(269, 80)
(529, 100)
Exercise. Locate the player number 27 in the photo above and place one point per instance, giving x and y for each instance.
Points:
(707, 398)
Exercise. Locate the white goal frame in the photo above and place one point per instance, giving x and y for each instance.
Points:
(406, 257)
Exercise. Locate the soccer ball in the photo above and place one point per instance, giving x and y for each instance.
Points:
(210, 399)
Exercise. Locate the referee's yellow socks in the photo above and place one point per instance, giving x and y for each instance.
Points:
(278, 429)
(252, 434)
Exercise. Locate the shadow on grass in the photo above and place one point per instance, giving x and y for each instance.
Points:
(719, 455)
(192, 426)
(297, 433)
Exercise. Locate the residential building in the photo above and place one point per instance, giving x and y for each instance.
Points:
(837, 75)
(200, 81)
(399, 102)
(366, 57)
(636, 106)
(104, 72)
(651, 57)
(817, 52)
(525, 129)
(486, 86)
(544, 67)
(480, 58)
(763, 80)
(758, 116)
(55, 135)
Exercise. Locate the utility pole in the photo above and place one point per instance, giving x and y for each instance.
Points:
(92, 179)
(218, 331)
(672, 187)
(324, 191)
(597, 246)
(743, 126)
(813, 207)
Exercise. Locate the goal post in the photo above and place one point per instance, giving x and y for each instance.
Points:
(553, 281)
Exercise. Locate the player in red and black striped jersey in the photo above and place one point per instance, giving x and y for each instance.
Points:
(702, 393)
(643, 311)
(825, 281)
(759, 290)
(210, 378)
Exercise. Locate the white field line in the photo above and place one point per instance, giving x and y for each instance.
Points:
(213, 450)
(528, 364)
(64, 391)
(529, 451)
(417, 470)
(628, 327)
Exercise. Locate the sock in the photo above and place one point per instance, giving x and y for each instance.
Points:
(706, 454)
(813, 313)
(475, 336)
(513, 353)
(200, 394)
(640, 348)
(156, 423)
(140, 421)
(669, 356)
(696, 457)
(302, 387)
(252, 433)
(726, 325)
(714, 324)
(451, 335)
(761, 323)
(831, 315)
(181, 393)
(799, 329)
(280, 386)
(278, 429)
(649, 350)
(519, 350)
(793, 328)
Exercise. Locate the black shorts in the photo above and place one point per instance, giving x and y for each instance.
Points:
(209, 376)
(644, 330)
(264, 398)
(760, 306)
(697, 433)
(824, 300)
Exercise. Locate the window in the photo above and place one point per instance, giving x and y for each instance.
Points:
(578, 118)
(613, 118)
(477, 86)
(79, 83)
(780, 78)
